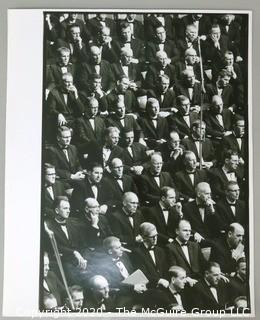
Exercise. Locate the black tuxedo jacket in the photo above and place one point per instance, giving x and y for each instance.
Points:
(115, 189)
(134, 73)
(226, 214)
(203, 299)
(149, 190)
(233, 35)
(102, 100)
(167, 300)
(184, 184)
(181, 66)
(153, 271)
(181, 89)
(139, 157)
(168, 100)
(129, 99)
(177, 123)
(136, 45)
(207, 229)
(182, 46)
(122, 227)
(78, 55)
(181, 24)
(151, 23)
(153, 47)
(153, 73)
(84, 132)
(64, 169)
(56, 287)
(194, 269)
(151, 133)
(237, 288)
(227, 94)
(87, 69)
(213, 128)
(95, 26)
(170, 164)
(165, 230)
(230, 142)
(83, 191)
(54, 74)
(208, 152)
(58, 190)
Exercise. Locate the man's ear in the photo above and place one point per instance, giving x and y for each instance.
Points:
(109, 251)
(56, 210)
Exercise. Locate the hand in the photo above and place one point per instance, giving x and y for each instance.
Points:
(103, 209)
(94, 220)
(137, 170)
(195, 109)
(82, 263)
(133, 86)
(161, 141)
(176, 153)
(78, 176)
(79, 42)
(170, 240)
(241, 161)
(164, 114)
(239, 59)
(139, 238)
(61, 120)
(134, 60)
(224, 278)
(142, 141)
(227, 133)
(99, 92)
(163, 283)
(178, 208)
(198, 237)
(207, 164)
(73, 89)
(191, 281)
(210, 205)
(140, 287)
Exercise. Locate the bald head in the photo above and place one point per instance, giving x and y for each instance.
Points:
(95, 54)
(235, 235)
(217, 104)
(147, 229)
(99, 287)
(130, 203)
(203, 192)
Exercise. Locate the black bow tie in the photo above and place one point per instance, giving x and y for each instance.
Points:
(165, 210)
(62, 223)
(232, 204)
(155, 175)
(202, 206)
(191, 172)
(118, 178)
(184, 244)
(151, 249)
(93, 184)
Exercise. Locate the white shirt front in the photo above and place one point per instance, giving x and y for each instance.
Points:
(190, 90)
(66, 154)
(95, 191)
(157, 180)
(125, 70)
(92, 123)
(64, 70)
(106, 155)
(50, 190)
(64, 229)
(186, 118)
(161, 46)
(97, 68)
(122, 269)
(129, 149)
(219, 117)
(231, 176)
(239, 141)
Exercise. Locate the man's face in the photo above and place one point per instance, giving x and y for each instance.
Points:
(105, 35)
(161, 34)
(240, 128)
(199, 131)
(64, 138)
(116, 249)
(180, 281)
(156, 164)
(191, 58)
(63, 209)
(170, 199)
(101, 16)
(242, 269)
(101, 290)
(164, 85)
(185, 105)
(223, 81)
(73, 16)
(236, 237)
(154, 109)
(190, 161)
(190, 79)
(131, 204)
(131, 16)
(120, 109)
(96, 56)
(191, 33)
(50, 176)
(93, 108)
(117, 168)
(92, 208)
(127, 58)
(227, 18)
(67, 82)
(75, 34)
(215, 33)
(233, 162)
(123, 85)
(217, 105)
(126, 34)
(174, 140)
(233, 192)
(204, 194)
(95, 84)
(184, 231)
(64, 58)
(213, 276)
(151, 238)
(77, 298)
(129, 138)
(96, 174)
(46, 266)
(162, 60)
(112, 139)
(229, 59)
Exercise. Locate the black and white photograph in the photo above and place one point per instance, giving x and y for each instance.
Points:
(145, 169)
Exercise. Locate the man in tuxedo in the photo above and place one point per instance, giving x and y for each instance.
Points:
(135, 154)
(98, 66)
(165, 215)
(64, 157)
(201, 215)
(236, 141)
(190, 41)
(124, 121)
(99, 22)
(99, 298)
(136, 26)
(198, 129)
(228, 172)
(172, 152)
(94, 225)
(151, 181)
(230, 208)
(122, 92)
(229, 249)
(63, 65)
(187, 179)
(150, 258)
(89, 127)
(160, 67)
(107, 151)
(72, 19)
(52, 189)
(126, 66)
(182, 120)
(156, 20)
(163, 94)
(125, 221)
(209, 293)
(186, 253)
(155, 127)
(118, 182)
(93, 186)
(77, 297)
(161, 43)
(189, 87)
(238, 282)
